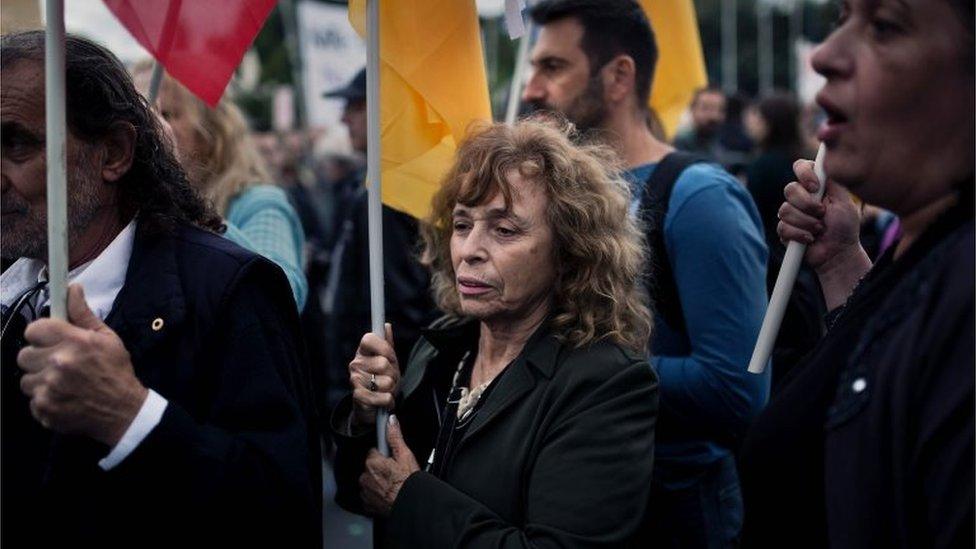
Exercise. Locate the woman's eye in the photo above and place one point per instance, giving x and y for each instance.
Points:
(883, 28)
(460, 226)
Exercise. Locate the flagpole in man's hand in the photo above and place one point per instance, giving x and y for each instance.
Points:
(375, 204)
(57, 193)
(784, 284)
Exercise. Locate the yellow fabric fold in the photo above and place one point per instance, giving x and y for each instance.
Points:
(681, 64)
(432, 87)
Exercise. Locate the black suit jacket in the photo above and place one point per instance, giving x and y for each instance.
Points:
(559, 455)
(234, 460)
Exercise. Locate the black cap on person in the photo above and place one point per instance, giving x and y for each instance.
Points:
(354, 90)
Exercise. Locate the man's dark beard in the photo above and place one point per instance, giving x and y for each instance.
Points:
(587, 111)
(708, 130)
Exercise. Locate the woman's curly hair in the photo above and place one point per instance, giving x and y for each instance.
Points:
(100, 94)
(600, 253)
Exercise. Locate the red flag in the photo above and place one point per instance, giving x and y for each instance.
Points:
(199, 42)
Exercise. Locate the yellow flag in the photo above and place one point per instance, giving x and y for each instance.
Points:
(432, 87)
(681, 64)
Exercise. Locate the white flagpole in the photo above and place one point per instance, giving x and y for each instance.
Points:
(57, 194)
(375, 212)
(155, 81)
(515, 88)
(784, 284)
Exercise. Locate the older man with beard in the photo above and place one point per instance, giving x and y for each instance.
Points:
(170, 409)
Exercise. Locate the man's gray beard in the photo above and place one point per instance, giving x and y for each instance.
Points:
(28, 237)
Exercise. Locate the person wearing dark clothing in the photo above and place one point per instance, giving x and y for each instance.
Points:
(318, 208)
(707, 285)
(870, 441)
(885, 401)
(707, 117)
(535, 421)
(733, 137)
(346, 299)
(406, 286)
(170, 407)
(775, 126)
(213, 329)
(531, 404)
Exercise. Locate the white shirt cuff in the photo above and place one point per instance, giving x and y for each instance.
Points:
(149, 416)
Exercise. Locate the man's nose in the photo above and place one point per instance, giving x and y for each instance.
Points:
(831, 59)
(534, 90)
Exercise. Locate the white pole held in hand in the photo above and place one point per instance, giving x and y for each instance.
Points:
(375, 205)
(784, 284)
(57, 178)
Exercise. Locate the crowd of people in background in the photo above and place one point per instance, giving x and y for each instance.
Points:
(568, 332)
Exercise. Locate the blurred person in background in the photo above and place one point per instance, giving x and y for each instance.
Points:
(409, 304)
(707, 116)
(870, 443)
(223, 163)
(773, 124)
(716, 131)
(736, 145)
(314, 195)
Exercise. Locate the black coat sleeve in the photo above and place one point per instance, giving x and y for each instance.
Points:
(244, 465)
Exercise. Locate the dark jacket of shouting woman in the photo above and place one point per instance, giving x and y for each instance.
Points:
(870, 441)
(558, 451)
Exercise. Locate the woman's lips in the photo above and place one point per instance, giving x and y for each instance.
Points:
(471, 287)
(836, 121)
(830, 130)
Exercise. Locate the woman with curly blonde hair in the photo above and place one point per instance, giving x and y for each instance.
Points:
(223, 163)
(531, 400)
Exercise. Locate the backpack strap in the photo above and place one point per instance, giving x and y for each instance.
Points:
(661, 285)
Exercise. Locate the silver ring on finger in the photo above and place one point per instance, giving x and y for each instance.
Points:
(372, 383)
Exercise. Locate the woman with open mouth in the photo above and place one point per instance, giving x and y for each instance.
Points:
(869, 442)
